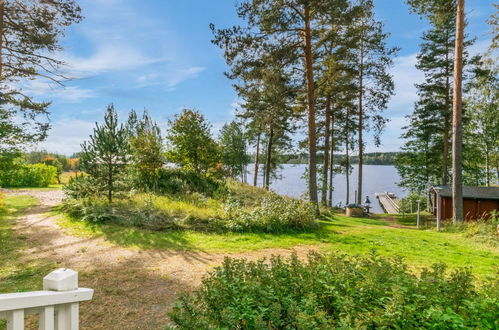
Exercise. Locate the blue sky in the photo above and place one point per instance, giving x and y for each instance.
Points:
(157, 54)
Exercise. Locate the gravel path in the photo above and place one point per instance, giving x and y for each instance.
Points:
(133, 288)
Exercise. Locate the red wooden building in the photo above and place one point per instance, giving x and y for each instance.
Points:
(478, 202)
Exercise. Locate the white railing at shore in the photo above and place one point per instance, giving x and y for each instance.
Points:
(57, 305)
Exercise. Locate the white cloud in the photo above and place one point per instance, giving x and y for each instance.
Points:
(177, 76)
(66, 136)
(109, 58)
(169, 77)
(46, 90)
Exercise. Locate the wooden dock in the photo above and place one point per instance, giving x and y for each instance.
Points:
(388, 202)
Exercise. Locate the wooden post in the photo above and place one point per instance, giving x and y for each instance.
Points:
(438, 212)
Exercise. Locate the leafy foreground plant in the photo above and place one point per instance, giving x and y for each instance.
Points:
(336, 291)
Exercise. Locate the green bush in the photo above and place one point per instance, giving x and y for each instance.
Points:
(36, 175)
(180, 181)
(82, 186)
(274, 214)
(336, 291)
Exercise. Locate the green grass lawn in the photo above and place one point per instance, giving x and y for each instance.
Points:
(337, 233)
(18, 274)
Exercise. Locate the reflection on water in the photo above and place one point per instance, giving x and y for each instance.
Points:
(377, 178)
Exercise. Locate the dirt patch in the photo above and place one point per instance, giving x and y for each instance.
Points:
(392, 222)
(133, 288)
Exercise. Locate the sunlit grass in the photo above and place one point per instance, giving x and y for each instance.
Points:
(16, 273)
(340, 233)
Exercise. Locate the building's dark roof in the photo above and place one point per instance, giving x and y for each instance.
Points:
(471, 192)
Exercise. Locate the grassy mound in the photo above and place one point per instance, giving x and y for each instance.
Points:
(243, 209)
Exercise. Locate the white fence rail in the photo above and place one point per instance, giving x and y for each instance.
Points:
(57, 305)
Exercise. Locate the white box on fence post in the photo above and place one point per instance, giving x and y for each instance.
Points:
(62, 279)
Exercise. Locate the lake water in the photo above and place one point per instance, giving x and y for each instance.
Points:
(377, 178)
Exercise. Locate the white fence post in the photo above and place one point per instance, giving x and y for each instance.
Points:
(15, 320)
(63, 279)
(57, 305)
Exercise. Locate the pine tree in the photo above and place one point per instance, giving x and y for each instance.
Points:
(106, 155)
(374, 82)
(457, 119)
(438, 13)
(29, 38)
(291, 27)
(268, 105)
(427, 150)
(330, 74)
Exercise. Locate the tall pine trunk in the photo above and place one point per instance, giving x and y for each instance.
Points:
(487, 166)
(2, 7)
(497, 170)
(347, 160)
(457, 129)
(325, 168)
(110, 184)
(331, 164)
(361, 125)
(312, 161)
(257, 160)
(445, 155)
(268, 161)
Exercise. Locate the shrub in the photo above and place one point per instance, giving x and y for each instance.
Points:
(181, 181)
(82, 186)
(36, 175)
(274, 214)
(336, 291)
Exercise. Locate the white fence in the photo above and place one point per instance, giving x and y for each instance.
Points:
(57, 305)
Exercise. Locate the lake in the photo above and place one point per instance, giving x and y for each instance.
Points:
(377, 178)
